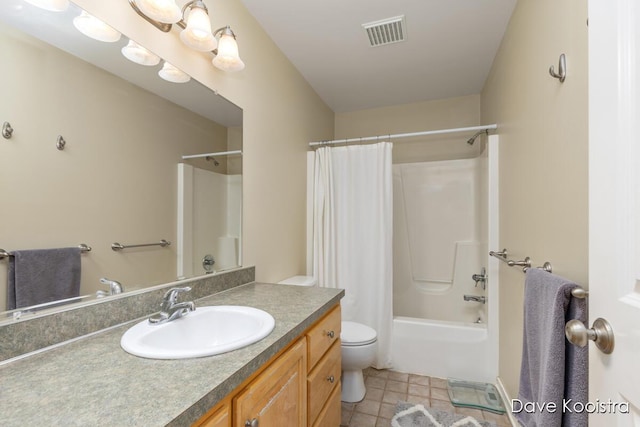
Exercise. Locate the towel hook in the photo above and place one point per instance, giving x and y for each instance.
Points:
(60, 143)
(562, 69)
(7, 130)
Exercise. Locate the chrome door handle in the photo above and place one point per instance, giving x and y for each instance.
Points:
(252, 423)
(331, 334)
(331, 379)
(601, 333)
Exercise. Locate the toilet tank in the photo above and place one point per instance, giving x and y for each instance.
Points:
(300, 281)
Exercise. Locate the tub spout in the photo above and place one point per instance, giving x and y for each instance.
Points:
(476, 298)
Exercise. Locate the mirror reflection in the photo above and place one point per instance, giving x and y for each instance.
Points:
(120, 176)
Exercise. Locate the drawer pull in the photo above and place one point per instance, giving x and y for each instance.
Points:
(331, 379)
(252, 423)
(331, 334)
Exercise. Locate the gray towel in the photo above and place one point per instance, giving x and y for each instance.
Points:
(552, 370)
(42, 275)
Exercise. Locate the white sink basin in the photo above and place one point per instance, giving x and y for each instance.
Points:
(203, 332)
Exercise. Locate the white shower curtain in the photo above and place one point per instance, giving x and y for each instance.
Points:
(352, 234)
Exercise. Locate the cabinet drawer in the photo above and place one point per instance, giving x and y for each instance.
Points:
(322, 336)
(322, 380)
(330, 416)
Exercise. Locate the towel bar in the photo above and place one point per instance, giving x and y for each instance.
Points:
(83, 248)
(502, 256)
(118, 247)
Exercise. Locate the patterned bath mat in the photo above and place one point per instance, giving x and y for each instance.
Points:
(417, 415)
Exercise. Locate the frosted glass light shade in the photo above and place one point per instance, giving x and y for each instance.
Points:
(52, 5)
(92, 27)
(198, 35)
(166, 11)
(172, 74)
(138, 54)
(228, 58)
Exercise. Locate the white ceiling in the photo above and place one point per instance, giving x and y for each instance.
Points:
(449, 49)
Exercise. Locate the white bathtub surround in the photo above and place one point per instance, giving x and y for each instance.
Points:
(352, 200)
(445, 221)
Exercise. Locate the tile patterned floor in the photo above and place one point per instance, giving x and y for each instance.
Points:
(385, 388)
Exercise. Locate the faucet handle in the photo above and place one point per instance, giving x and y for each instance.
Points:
(172, 294)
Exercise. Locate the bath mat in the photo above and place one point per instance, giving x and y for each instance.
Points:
(417, 415)
(469, 394)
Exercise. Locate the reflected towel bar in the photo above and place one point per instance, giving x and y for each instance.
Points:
(118, 247)
(83, 248)
(526, 264)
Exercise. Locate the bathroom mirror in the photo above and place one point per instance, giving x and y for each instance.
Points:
(116, 179)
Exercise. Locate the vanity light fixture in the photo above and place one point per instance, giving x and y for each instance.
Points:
(52, 5)
(92, 27)
(171, 73)
(138, 54)
(196, 29)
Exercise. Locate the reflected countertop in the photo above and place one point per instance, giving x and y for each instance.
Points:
(94, 382)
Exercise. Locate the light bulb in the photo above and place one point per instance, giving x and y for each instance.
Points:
(172, 74)
(166, 11)
(138, 54)
(92, 27)
(198, 35)
(228, 58)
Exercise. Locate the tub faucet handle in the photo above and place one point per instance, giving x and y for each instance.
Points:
(480, 278)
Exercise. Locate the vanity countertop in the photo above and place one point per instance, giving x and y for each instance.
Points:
(92, 381)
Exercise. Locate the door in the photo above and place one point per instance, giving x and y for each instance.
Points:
(278, 396)
(614, 208)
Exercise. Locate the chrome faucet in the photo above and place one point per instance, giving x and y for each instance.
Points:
(114, 287)
(480, 278)
(170, 309)
(476, 298)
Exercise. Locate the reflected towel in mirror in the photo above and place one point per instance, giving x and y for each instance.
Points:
(42, 275)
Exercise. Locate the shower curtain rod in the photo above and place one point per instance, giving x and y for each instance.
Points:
(220, 153)
(405, 135)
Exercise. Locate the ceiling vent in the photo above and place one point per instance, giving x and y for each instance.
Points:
(386, 31)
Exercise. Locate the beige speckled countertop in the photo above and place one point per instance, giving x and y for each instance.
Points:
(93, 382)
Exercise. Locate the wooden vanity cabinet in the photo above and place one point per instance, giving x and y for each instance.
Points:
(298, 387)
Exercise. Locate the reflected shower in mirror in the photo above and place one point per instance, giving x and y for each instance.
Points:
(115, 178)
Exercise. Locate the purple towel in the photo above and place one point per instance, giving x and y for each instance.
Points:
(42, 275)
(553, 371)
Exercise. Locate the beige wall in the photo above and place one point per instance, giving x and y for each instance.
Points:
(543, 155)
(417, 117)
(281, 115)
(115, 181)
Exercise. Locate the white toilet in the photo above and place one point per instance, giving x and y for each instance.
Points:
(359, 346)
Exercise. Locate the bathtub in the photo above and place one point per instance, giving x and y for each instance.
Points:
(442, 349)
(445, 222)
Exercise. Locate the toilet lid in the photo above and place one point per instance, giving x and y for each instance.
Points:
(354, 333)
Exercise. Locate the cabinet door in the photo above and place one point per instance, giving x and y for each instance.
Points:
(221, 418)
(276, 397)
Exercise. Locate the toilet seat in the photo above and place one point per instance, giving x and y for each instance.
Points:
(356, 334)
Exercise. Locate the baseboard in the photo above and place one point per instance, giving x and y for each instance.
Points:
(506, 400)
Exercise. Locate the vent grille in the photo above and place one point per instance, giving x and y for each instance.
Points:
(386, 31)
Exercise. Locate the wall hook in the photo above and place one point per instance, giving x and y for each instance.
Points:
(60, 143)
(7, 130)
(562, 69)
